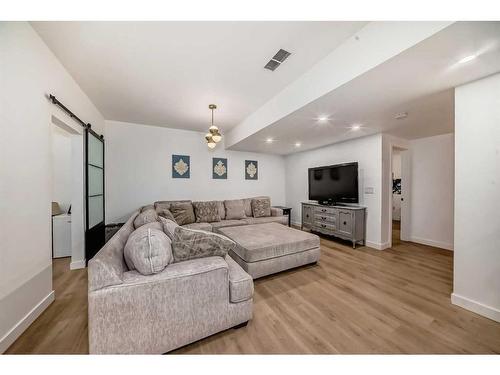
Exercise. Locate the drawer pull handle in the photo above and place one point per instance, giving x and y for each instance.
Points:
(345, 223)
(324, 218)
(323, 225)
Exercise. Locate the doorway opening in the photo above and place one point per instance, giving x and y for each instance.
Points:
(67, 194)
(400, 195)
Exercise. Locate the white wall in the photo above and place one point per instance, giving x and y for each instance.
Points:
(139, 169)
(432, 190)
(367, 151)
(476, 284)
(29, 71)
(61, 167)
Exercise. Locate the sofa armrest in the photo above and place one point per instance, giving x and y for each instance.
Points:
(157, 313)
(276, 211)
(185, 269)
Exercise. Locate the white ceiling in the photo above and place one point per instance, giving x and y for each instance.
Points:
(166, 73)
(419, 81)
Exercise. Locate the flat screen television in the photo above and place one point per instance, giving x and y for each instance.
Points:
(334, 184)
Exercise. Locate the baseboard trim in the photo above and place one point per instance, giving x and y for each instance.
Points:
(476, 307)
(77, 265)
(425, 241)
(25, 322)
(378, 245)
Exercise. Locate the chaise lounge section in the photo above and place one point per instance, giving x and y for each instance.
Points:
(187, 301)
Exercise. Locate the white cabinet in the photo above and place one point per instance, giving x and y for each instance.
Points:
(61, 236)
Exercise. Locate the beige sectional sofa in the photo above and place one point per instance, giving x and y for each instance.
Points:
(186, 301)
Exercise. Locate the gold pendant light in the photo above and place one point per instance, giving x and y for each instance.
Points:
(214, 136)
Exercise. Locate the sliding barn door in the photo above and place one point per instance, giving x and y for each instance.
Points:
(94, 176)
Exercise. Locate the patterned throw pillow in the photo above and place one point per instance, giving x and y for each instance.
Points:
(145, 217)
(183, 213)
(261, 207)
(206, 212)
(192, 244)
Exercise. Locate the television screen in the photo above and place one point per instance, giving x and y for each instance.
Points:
(335, 183)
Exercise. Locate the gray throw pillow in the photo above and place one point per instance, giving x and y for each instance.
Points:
(261, 207)
(166, 213)
(169, 227)
(145, 217)
(235, 209)
(222, 210)
(206, 212)
(183, 213)
(148, 250)
(192, 244)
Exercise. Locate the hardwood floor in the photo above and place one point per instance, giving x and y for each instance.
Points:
(352, 301)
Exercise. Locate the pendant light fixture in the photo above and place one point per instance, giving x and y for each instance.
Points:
(213, 136)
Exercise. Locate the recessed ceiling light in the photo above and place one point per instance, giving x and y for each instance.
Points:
(298, 144)
(322, 119)
(355, 127)
(467, 59)
(269, 140)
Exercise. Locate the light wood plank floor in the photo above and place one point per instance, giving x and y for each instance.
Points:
(353, 301)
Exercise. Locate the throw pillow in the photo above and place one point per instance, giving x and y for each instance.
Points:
(192, 244)
(222, 210)
(183, 213)
(261, 207)
(235, 209)
(166, 213)
(147, 250)
(206, 212)
(169, 227)
(145, 217)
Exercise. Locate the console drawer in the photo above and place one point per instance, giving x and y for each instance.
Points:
(324, 211)
(319, 225)
(324, 218)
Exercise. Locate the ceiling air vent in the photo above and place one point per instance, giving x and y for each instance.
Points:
(277, 59)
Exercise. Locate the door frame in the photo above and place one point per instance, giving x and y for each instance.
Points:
(405, 212)
(77, 186)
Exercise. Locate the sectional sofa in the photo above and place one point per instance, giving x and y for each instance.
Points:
(130, 312)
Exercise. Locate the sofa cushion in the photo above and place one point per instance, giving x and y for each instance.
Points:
(206, 212)
(183, 212)
(199, 226)
(261, 207)
(145, 217)
(270, 240)
(235, 209)
(192, 244)
(148, 250)
(270, 219)
(228, 223)
(222, 209)
(240, 282)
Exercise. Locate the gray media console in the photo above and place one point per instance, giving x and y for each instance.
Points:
(346, 222)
